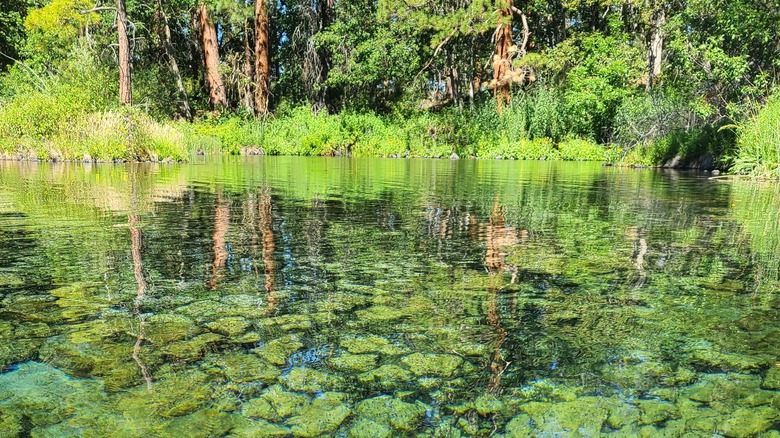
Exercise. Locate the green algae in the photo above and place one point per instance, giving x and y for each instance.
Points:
(347, 362)
(278, 350)
(391, 412)
(387, 376)
(325, 414)
(243, 367)
(442, 365)
(229, 326)
(311, 380)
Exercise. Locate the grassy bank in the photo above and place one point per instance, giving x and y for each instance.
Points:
(130, 134)
(758, 146)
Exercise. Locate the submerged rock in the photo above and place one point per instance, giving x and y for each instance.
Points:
(164, 328)
(519, 427)
(45, 395)
(380, 313)
(278, 350)
(229, 326)
(259, 428)
(748, 422)
(392, 412)
(370, 344)
(285, 403)
(310, 380)
(366, 428)
(323, 415)
(772, 379)
(443, 365)
(353, 362)
(242, 367)
(387, 376)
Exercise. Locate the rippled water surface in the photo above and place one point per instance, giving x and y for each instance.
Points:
(367, 298)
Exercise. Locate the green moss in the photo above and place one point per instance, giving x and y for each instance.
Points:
(365, 428)
(325, 414)
(519, 427)
(241, 367)
(278, 350)
(310, 380)
(259, 428)
(422, 364)
(391, 411)
(387, 376)
(748, 422)
(285, 403)
(353, 362)
(229, 326)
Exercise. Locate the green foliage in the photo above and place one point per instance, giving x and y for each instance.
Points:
(758, 146)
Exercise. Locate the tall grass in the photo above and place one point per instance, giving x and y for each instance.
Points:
(758, 145)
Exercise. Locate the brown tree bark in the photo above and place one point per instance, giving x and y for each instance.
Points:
(262, 65)
(174, 65)
(214, 83)
(501, 64)
(125, 90)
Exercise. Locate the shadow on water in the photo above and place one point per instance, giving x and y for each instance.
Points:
(306, 296)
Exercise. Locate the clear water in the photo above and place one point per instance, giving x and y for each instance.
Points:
(310, 296)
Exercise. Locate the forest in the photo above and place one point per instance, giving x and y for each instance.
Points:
(686, 83)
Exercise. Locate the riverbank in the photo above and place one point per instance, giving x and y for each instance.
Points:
(129, 134)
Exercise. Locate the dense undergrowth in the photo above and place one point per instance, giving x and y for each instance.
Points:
(73, 116)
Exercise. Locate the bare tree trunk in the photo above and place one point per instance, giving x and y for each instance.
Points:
(214, 83)
(655, 53)
(174, 65)
(125, 90)
(262, 65)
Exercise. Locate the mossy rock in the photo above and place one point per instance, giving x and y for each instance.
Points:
(191, 349)
(487, 404)
(656, 411)
(584, 416)
(772, 379)
(621, 414)
(325, 414)
(709, 359)
(259, 408)
(203, 423)
(387, 376)
(242, 367)
(46, 395)
(278, 350)
(366, 428)
(380, 314)
(229, 326)
(176, 394)
(283, 402)
(365, 344)
(748, 422)
(165, 328)
(311, 380)
(288, 322)
(347, 362)
(519, 427)
(432, 364)
(259, 428)
(391, 411)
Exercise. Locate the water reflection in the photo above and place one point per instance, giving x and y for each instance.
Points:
(254, 296)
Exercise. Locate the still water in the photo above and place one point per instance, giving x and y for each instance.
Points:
(276, 296)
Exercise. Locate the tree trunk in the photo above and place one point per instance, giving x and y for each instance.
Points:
(247, 92)
(125, 91)
(262, 65)
(655, 53)
(214, 82)
(174, 65)
(501, 64)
